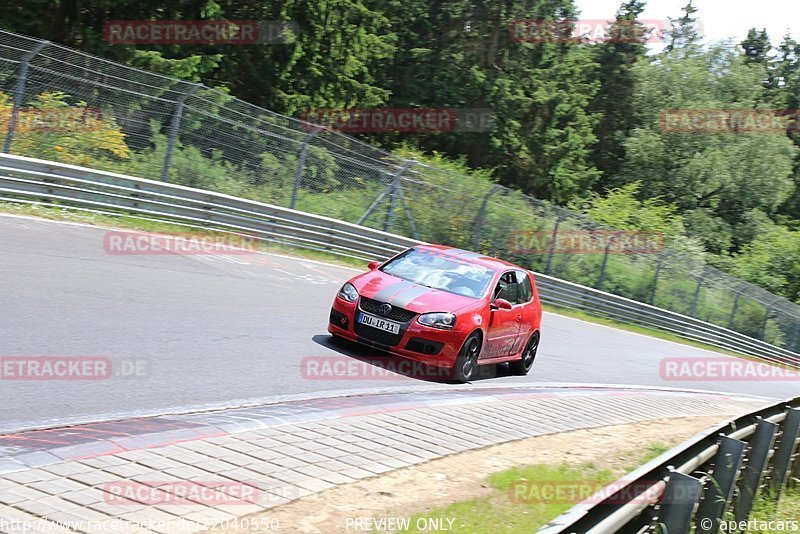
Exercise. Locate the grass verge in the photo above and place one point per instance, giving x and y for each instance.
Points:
(768, 516)
(526, 498)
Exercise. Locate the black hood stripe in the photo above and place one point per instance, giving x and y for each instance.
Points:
(405, 297)
(388, 292)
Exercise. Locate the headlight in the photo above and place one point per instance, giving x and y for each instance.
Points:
(348, 293)
(438, 320)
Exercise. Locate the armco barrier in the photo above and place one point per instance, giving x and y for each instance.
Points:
(713, 478)
(35, 181)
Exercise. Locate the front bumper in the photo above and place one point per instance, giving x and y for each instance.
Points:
(431, 346)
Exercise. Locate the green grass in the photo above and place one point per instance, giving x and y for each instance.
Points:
(520, 501)
(514, 506)
(787, 511)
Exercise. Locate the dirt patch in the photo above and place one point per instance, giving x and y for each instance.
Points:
(463, 476)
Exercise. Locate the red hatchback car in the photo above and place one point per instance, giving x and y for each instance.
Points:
(444, 307)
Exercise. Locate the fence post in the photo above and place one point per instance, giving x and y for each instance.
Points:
(719, 488)
(406, 209)
(659, 264)
(482, 215)
(301, 161)
(602, 276)
(19, 93)
(695, 300)
(549, 266)
(735, 309)
(396, 192)
(763, 329)
(175, 128)
(760, 446)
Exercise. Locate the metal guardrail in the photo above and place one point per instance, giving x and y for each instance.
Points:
(578, 297)
(716, 476)
(35, 181)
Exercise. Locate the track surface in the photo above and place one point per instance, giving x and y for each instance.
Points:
(219, 329)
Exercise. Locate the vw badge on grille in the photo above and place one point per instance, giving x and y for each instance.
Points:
(385, 309)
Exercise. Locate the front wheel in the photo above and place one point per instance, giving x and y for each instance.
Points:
(466, 366)
(524, 364)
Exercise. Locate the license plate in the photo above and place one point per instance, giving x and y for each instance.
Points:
(380, 324)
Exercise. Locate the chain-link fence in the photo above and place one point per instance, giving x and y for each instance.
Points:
(65, 105)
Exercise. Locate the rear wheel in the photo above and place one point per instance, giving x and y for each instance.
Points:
(524, 364)
(466, 367)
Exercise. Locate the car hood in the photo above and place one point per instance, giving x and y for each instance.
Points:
(384, 287)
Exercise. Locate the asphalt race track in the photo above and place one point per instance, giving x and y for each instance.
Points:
(194, 331)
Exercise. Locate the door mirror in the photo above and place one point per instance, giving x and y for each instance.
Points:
(501, 304)
(373, 265)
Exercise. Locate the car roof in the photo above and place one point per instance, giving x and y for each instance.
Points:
(472, 257)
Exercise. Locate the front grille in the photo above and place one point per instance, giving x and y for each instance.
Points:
(397, 314)
(375, 335)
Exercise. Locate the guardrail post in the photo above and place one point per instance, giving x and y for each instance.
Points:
(553, 240)
(19, 93)
(482, 215)
(783, 455)
(602, 277)
(175, 128)
(757, 456)
(719, 488)
(301, 161)
(678, 502)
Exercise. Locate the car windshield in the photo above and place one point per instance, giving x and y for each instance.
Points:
(439, 271)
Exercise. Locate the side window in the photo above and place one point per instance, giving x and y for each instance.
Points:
(525, 289)
(507, 288)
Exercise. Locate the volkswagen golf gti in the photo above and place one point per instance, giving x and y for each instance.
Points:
(444, 307)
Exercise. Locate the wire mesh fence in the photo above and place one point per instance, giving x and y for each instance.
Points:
(60, 104)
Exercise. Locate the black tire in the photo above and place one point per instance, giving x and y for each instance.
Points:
(522, 366)
(466, 367)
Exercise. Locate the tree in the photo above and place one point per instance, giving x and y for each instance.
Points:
(757, 47)
(468, 54)
(613, 103)
(716, 178)
(683, 33)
